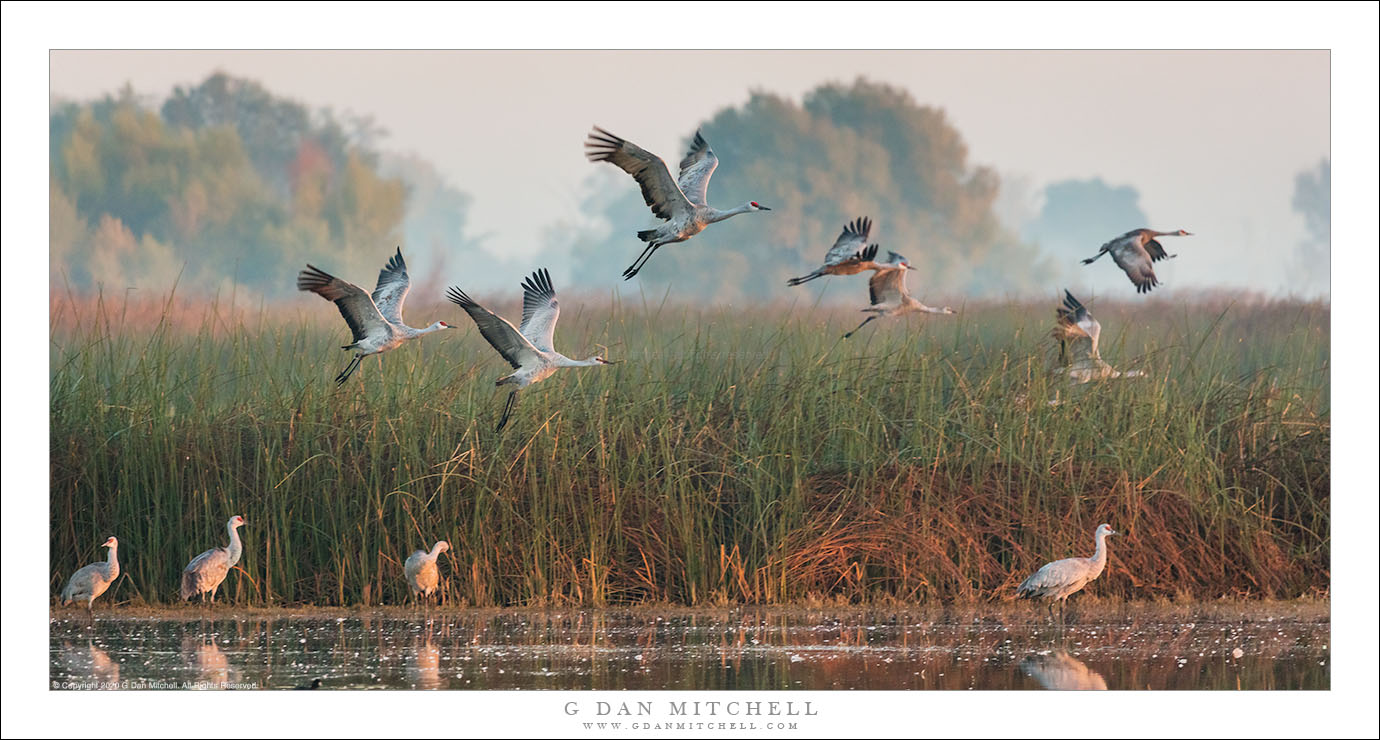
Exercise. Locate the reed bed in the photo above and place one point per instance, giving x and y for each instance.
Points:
(736, 456)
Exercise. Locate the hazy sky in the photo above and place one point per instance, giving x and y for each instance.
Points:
(1212, 140)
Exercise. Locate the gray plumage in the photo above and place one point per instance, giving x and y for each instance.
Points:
(375, 320)
(420, 569)
(92, 580)
(679, 202)
(1078, 333)
(1135, 252)
(204, 574)
(529, 349)
(889, 295)
(850, 254)
(1060, 579)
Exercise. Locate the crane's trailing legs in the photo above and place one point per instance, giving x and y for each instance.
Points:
(349, 369)
(507, 410)
(864, 323)
(641, 260)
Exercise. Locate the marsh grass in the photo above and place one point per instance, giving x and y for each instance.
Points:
(735, 456)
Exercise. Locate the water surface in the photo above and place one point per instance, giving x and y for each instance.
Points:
(686, 649)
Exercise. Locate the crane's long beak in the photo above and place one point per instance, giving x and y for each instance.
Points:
(763, 208)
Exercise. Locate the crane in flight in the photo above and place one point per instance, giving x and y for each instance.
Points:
(680, 202)
(529, 349)
(375, 320)
(850, 255)
(1135, 252)
(1077, 333)
(890, 297)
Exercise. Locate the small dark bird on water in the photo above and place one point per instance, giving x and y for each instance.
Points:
(315, 684)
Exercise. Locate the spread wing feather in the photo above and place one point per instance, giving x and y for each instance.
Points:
(392, 288)
(850, 241)
(501, 335)
(539, 310)
(659, 190)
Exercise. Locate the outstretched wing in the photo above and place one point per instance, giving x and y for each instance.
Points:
(510, 343)
(1135, 262)
(539, 310)
(354, 304)
(850, 242)
(661, 193)
(1074, 319)
(392, 288)
(696, 169)
(1156, 251)
(887, 286)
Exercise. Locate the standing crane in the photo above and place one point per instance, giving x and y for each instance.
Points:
(1059, 580)
(889, 294)
(850, 254)
(528, 349)
(92, 580)
(679, 202)
(1079, 360)
(1134, 252)
(420, 569)
(206, 571)
(375, 320)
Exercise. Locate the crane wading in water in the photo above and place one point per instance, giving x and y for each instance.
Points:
(92, 580)
(421, 572)
(1134, 252)
(1059, 580)
(889, 294)
(678, 202)
(850, 254)
(206, 571)
(375, 320)
(529, 349)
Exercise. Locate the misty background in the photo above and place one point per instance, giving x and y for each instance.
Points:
(226, 184)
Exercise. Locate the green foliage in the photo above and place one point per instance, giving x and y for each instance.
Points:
(848, 151)
(729, 459)
(227, 186)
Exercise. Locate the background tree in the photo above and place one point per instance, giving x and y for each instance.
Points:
(1077, 217)
(225, 183)
(847, 151)
(1313, 257)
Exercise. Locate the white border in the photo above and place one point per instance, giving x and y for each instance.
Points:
(1349, 30)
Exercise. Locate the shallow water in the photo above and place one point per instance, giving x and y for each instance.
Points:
(641, 649)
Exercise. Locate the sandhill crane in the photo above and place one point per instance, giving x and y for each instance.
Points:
(529, 349)
(889, 294)
(850, 254)
(1082, 363)
(420, 569)
(1060, 579)
(680, 203)
(1060, 671)
(92, 580)
(1134, 252)
(376, 320)
(206, 571)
